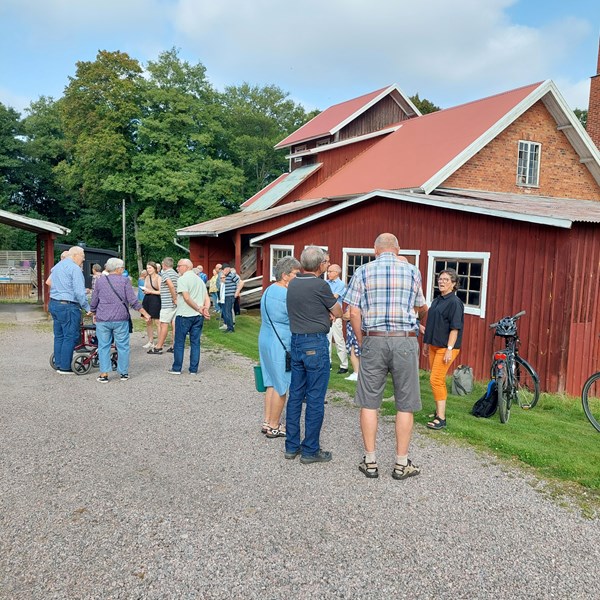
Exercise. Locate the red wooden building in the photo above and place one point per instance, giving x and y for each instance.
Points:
(505, 189)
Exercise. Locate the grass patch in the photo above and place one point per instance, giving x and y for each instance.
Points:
(555, 438)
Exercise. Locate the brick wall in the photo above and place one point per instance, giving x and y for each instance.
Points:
(494, 168)
(593, 120)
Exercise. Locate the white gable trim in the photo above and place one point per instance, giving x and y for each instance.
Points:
(558, 108)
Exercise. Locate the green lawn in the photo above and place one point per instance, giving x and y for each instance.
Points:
(555, 438)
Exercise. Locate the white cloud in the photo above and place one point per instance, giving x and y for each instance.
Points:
(12, 100)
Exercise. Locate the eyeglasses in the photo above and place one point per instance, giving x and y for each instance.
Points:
(444, 280)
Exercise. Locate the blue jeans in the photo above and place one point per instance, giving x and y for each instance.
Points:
(310, 377)
(67, 321)
(183, 326)
(215, 301)
(228, 312)
(105, 332)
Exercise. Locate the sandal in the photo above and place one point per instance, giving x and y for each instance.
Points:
(437, 423)
(369, 470)
(274, 433)
(264, 427)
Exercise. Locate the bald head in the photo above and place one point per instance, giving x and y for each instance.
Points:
(333, 272)
(387, 242)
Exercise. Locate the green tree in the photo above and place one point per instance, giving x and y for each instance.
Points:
(582, 116)
(11, 153)
(257, 118)
(425, 106)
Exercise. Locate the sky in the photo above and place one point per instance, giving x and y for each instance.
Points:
(320, 52)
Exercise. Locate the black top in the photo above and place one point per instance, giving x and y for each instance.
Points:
(445, 313)
(309, 299)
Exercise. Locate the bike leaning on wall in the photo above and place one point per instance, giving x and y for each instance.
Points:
(516, 380)
(590, 398)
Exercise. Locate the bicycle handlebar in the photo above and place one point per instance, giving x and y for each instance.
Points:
(514, 318)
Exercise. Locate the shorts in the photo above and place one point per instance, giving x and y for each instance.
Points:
(167, 314)
(398, 356)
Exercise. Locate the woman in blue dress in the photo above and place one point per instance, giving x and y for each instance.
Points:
(274, 339)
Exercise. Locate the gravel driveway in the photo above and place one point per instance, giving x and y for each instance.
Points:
(162, 487)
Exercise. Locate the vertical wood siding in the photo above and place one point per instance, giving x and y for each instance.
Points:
(532, 268)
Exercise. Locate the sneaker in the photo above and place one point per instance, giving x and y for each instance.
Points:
(170, 350)
(341, 371)
(174, 372)
(404, 471)
(292, 455)
(124, 377)
(148, 345)
(154, 351)
(223, 327)
(352, 377)
(61, 372)
(102, 378)
(320, 456)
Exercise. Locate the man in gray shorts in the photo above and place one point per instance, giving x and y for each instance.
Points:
(168, 304)
(383, 296)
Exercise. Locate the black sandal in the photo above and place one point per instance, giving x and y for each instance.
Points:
(437, 423)
(369, 470)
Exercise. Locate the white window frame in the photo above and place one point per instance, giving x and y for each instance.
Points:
(371, 252)
(526, 146)
(433, 255)
(272, 262)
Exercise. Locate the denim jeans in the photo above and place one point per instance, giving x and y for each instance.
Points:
(215, 301)
(228, 312)
(183, 326)
(105, 332)
(67, 321)
(310, 377)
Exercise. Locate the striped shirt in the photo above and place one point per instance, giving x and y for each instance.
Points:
(231, 283)
(386, 291)
(166, 300)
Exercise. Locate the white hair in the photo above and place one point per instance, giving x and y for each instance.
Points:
(114, 263)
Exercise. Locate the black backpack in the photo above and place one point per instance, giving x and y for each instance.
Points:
(487, 405)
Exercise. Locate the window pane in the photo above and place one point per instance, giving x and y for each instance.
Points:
(475, 284)
(470, 279)
(476, 269)
(463, 268)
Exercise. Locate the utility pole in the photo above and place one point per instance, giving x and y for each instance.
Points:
(123, 220)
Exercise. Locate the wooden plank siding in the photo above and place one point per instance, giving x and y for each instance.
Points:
(529, 269)
(385, 113)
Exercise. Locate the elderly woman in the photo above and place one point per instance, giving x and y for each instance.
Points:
(112, 297)
(274, 339)
(442, 340)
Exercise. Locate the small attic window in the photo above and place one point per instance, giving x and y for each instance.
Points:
(301, 148)
(322, 143)
(528, 165)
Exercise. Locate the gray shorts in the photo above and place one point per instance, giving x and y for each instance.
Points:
(398, 356)
(167, 314)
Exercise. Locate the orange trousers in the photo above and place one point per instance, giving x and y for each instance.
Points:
(439, 369)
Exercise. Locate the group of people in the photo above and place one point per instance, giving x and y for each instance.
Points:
(385, 311)
(175, 297)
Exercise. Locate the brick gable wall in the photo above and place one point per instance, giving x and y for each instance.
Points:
(494, 168)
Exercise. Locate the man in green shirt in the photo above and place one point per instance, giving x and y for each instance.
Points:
(193, 303)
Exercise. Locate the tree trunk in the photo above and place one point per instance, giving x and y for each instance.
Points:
(138, 248)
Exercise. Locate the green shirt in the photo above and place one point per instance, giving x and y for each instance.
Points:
(192, 284)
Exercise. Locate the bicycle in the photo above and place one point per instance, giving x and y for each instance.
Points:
(516, 380)
(590, 399)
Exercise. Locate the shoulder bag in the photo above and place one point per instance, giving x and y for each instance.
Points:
(124, 303)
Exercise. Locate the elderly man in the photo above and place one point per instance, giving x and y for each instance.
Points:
(383, 296)
(67, 298)
(311, 307)
(232, 286)
(193, 303)
(337, 331)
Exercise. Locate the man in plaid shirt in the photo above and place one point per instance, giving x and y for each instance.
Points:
(383, 296)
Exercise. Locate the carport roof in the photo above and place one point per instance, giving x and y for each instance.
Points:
(29, 224)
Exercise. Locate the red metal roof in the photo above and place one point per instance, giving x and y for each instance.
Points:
(325, 123)
(420, 148)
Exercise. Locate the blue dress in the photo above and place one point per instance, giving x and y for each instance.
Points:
(272, 354)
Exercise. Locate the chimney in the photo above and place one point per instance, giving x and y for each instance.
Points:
(593, 120)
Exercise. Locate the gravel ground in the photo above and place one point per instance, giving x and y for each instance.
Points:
(163, 487)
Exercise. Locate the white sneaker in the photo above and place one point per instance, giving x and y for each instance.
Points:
(223, 327)
(148, 345)
(352, 377)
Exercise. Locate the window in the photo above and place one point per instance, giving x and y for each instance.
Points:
(472, 269)
(528, 166)
(278, 252)
(353, 258)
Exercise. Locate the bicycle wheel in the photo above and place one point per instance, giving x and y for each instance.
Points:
(114, 359)
(52, 363)
(81, 363)
(590, 398)
(503, 394)
(527, 384)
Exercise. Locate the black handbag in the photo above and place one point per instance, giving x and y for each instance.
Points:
(288, 354)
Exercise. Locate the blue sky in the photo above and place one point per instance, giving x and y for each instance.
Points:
(319, 51)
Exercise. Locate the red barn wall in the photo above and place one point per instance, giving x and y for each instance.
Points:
(529, 268)
(494, 168)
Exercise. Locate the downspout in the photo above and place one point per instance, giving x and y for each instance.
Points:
(180, 246)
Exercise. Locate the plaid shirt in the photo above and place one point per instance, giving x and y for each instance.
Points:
(386, 291)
